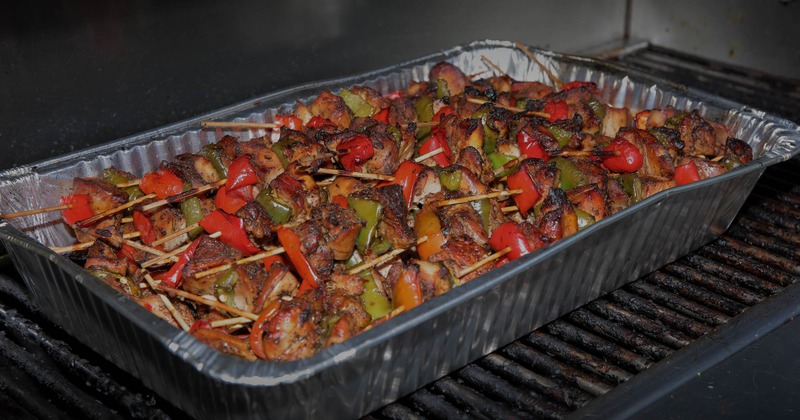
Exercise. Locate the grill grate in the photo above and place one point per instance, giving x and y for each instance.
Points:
(549, 373)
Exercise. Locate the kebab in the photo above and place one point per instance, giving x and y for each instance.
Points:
(433, 187)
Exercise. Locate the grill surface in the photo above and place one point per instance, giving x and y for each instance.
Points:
(549, 373)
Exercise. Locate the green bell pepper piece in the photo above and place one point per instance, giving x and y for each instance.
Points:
(359, 106)
(278, 148)
(584, 219)
(675, 120)
(450, 178)
(192, 209)
(597, 108)
(279, 213)
(374, 301)
(224, 286)
(213, 152)
(490, 134)
(571, 176)
(499, 159)
(380, 246)
(370, 212)
(113, 176)
(483, 207)
(562, 135)
(424, 108)
(442, 89)
(632, 186)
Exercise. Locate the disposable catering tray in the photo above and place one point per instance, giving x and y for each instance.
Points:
(420, 345)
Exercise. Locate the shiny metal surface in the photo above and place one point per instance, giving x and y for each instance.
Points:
(423, 344)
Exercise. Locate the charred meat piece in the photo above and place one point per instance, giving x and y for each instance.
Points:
(153, 303)
(653, 118)
(459, 253)
(210, 253)
(671, 139)
(370, 96)
(101, 256)
(588, 198)
(250, 279)
(296, 147)
(104, 195)
(385, 159)
(401, 111)
(316, 247)
(107, 228)
(558, 219)
(701, 137)
(257, 222)
(349, 283)
(279, 282)
(342, 227)
(706, 168)
(530, 90)
(348, 313)
(651, 186)
(225, 343)
(434, 279)
(166, 221)
(393, 225)
(294, 332)
(451, 75)
(472, 159)
(615, 119)
(616, 198)
(657, 161)
(333, 108)
(193, 168)
(544, 176)
(291, 192)
(462, 220)
(739, 150)
(428, 183)
(264, 160)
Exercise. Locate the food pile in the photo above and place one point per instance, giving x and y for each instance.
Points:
(368, 205)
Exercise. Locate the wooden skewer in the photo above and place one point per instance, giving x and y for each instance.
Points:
(145, 248)
(396, 311)
(510, 108)
(509, 164)
(234, 124)
(494, 66)
(84, 245)
(126, 220)
(717, 159)
(382, 259)
(129, 183)
(354, 174)
(586, 153)
(429, 154)
(186, 194)
(117, 209)
(477, 197)
(176, 234)
(213, 304)
(229, 321)
(173, 254)
(483, 262)
(228, 266)
(474, 75)
(547, 71)
(35, 211)
(174, 312)
(510, 209)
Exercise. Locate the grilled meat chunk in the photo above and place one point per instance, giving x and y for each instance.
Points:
(558, 219)
(257, 222)
(278, 283)
(225, 343)
(193, 168)
(701, 137)
(451, 75)
(101, 256)
(104, 195)
(739, 150)
(460, 252)
(295, 331)
(657, 159)
(316, 247)
(166, 221)
(401, 111)
(333, 108)
(393, 225)
(342, 227)
(210, 253)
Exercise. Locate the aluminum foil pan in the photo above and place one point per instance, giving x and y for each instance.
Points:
(418, 346)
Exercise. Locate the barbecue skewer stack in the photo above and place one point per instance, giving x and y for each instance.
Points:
(368, 205)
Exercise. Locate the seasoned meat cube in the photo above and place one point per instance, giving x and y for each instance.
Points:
(706, 168)
(657, 161)
(428, 183)
(104, 195)
(333, 108)
(530, 90)
(315, 247)
(700, 137)
(265, 161)
(291, 192)
(295, 332)
(342, 227)
(651, 186)
(393, 225)
(653, 118)
(105, 228)
(166, 221)
(194, 168)
(471, 158)
(462, 220)
(385, 159)
(401, 111)
(588, 198)
(279, 282)
(544, 176)
(616, 198)
(257, 222)
(451, 75)
(558, 219)
(225, 343)
(738, 149)
(434, 279)
(615, 119)
(370, 96)
(250, 279)
(349, 313)
(460, 252)
(101, 256)
(153, 303)
(671, 139)
(210, 253)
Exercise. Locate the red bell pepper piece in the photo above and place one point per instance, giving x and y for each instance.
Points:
(319, 122)
(273, 259)
(629, 158)
(257, 331)
(529, 195)
(200, 324)
(128, 252)
(81, 208)
(291, 243)
(174, 277)
(355, 151)
(241, 173)
(232, 201)
(340, 200)
(394, 95)
(445, 110)
(687, 173)
(381, 116)
(161, 182)
(531, 145)
(232, 229)
(289, 121)
(406, 176)
(558, 110)
(579, 84)
(143, 224)
(510, 235)
(438, 139)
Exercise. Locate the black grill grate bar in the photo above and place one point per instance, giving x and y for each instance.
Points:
(715, 284)
(731, 274)
(742, 262)
(475, 404)
(790, 239)
(678, 303)
(695, 293)
(746, 247)
(771, 244)
(780, 221)
(595, 344)
(653, 329)
(687, 325)
(434, 406)
(628, 338)
(541, 362)
(570, 396)
(500, 389)
(577, 357)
